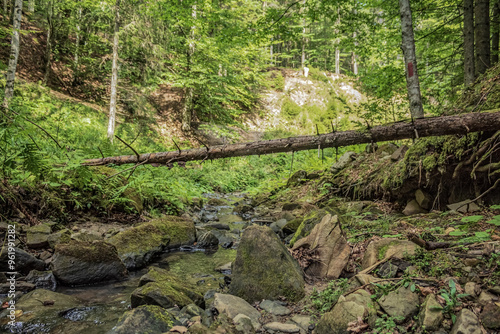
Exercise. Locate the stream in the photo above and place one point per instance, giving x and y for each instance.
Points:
(100, 306)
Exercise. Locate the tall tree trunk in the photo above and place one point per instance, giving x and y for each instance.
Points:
(14, 54)
(303, 55)
(469, 63)
(482, 29)
(495, 32)
(187, 110)
(48, 47)
(6, 13)
(114, 75)
(31, 6)
(408, 46)
(337, 42)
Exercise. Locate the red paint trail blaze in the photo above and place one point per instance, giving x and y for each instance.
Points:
(410, 70)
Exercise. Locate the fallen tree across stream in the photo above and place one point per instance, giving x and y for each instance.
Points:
(425, 127)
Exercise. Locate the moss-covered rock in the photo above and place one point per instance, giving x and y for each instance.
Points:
(307, 224)
(264, 269)
(146, 319)
(59, 237)
(159, 287)
(37, 236)
(291, 226)
(136, 246)
(380, 249)
(79, 262)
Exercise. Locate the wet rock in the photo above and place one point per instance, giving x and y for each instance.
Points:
(297, 178)
(232, 306)
(423, 199)
(399, 153)
(224, 268)
(159, 287)
(144, 319)
(345, 160)
(412, 208)
(218, 226)
(466, 323)
(80, 262)
(282, 328)
(42, 279)
(20, 286)
(37, 236)
(136, 246)
(291, 226)
(88, 236)
(464, 206)
(490, 316)
(191, 310)
(400, 303)
(430, 316)
(225, 238)
(242, 208)
(216, 202)
(345, 311)
(386, 247)
(208, 240)
(274, 307)
(33, 301)
(281, 275)
(330, 243)
(25, 262)
(59, 237)
(281, 223)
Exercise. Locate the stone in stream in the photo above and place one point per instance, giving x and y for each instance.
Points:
(59, 237)
(80, 262)
(332, 250)
(42, 279)
(159, 287)
(264, 269)
(25, 262)
(37, 236)
(149, 319)
(207, 240)
(232, 306)
(137, 245)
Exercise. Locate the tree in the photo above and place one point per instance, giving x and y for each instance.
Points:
(495, 32)
(482, 29)
(408, 46)
(469, 66)
(14, 53)
(114, 75)
(50, 33)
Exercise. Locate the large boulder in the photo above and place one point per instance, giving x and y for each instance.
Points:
(25, 262)
(159, 287)
(387, 247)
(348, 309)
(79, 262)
(264, 269)
(136, 246)
(144, 319)
(330, 244)
(310, 220)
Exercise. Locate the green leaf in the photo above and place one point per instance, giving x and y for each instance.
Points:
(457, 233)
(495, 207)
(472, 219)
(412, 287)
(495, 220)
(54, 184)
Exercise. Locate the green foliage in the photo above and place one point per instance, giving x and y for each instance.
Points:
(495, 220)
(324, 300)
(290, 109)
(387, 325)
(451, 298)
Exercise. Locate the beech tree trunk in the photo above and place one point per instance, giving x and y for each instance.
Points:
(469, 65)
(425, 127)
(482, 29)
(14, 54)
(48, 47)
(408, 46)
(31, 6)
(6, 10)
(495, 32)
(114, 75)
(337, 42)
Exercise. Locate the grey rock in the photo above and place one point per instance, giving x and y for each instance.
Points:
(86, 236)
(80, 262)
(274, 307)
(413, 208)
(399, 153)
(464, 206)
(466, 323)
(400, 303)
(423, 199)
(281, 276)
(144, 319)
(283, 328)
(388, 270)
(490, 316)
(386, 247)
(42, 279)
(59, 237)
(37, 236)
(486, 297)
(430, 317)
(243, 324)
(281, 222)
(25, 262)
(232, 306)
(345, 160)
(208, 240)
(303, 321)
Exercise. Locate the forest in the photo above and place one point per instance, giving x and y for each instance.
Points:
(223, 166)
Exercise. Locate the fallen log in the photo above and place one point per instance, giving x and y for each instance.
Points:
(425, 127)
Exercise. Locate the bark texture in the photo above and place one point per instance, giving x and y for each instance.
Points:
(426, 127)
(495, 32)
(469, 66)
(14, 53)
(114, 75)
(408, 46)
(482, 29)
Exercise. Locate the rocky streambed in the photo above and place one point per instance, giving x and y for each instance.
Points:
(238, 265)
